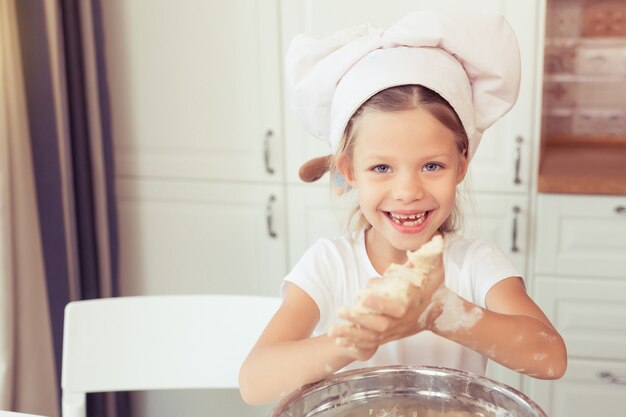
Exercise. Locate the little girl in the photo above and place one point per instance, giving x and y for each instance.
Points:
(403, 110)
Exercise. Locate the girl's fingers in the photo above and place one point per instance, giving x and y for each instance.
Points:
(355, 344)
(354, 337)
(373, 322)
(354, 333)
(393, 307)
(360, 354)
(350, 336)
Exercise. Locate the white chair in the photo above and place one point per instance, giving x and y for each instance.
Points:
(16, 414)
(157, 342)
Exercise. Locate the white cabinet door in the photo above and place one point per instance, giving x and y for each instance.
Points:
(581, 236)
(195, 88)
(589, 314)
(314, 212)
(193, 237)
(495, 166)
(501, 219)
(591, 317)
(581, 392)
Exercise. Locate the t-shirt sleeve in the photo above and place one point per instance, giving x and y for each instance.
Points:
(314, 274)
(489, 266)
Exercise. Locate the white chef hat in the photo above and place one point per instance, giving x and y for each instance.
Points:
(471, 60)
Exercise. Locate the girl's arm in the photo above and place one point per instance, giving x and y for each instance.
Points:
(512, 330)
(285, 357)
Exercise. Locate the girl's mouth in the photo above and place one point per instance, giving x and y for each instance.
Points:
(407, 220)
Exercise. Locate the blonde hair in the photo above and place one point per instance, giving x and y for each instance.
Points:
(402, 98)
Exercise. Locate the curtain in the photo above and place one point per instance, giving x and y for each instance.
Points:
(64, 77)
(27, 377)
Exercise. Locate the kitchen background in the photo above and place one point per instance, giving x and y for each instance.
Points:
(207, 151)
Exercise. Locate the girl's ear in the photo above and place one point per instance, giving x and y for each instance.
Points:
(463, 165)
(344, 166)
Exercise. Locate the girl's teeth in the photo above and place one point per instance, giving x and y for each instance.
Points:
(408, 220)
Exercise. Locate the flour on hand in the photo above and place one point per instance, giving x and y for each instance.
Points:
(454, 316)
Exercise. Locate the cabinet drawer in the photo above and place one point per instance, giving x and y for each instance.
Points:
(581, 236)
(590, 315)
(581, 392)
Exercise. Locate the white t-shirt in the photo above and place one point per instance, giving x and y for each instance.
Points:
(333, 270)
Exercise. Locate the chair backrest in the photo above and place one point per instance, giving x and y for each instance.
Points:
(157, 342)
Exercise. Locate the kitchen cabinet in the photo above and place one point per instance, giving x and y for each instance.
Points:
(186, 103)
(583, 236)
(313, 211)
(581, 286)
(198, 145)
(501, 219)
(581, 393)
(198, 237)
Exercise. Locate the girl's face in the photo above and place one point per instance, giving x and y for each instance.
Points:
(405, 167)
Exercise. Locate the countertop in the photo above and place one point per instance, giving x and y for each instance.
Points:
(583, 168)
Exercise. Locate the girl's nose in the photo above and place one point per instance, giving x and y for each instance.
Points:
(408, 188)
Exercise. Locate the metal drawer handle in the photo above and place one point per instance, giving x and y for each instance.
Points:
(266, 146)
(269, 214)
(620, 210)
(518, 160)
(516, 212)
(607, 376)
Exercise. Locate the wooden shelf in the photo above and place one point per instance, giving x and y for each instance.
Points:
(590, 141)
(574, 41)
(584, 78)
(582, 168)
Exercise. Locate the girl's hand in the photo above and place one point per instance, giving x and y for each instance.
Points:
(395, 318)
(357, 343)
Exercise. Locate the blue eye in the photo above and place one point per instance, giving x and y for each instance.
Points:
(382, 169)
(432, 166)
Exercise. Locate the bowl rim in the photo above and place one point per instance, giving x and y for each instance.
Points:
(352, 374)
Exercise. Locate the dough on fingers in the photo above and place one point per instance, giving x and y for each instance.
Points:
(398, 279)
